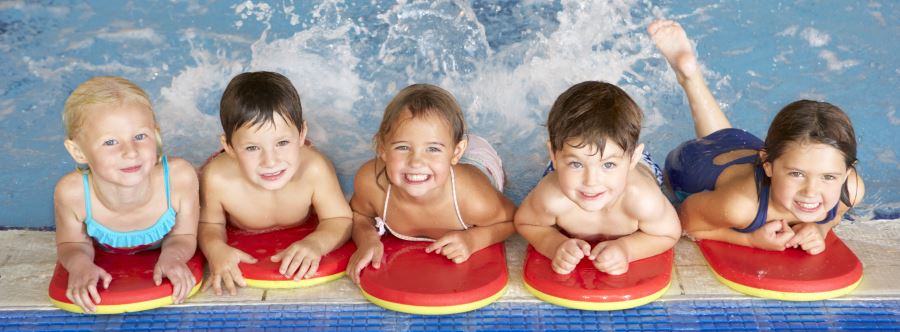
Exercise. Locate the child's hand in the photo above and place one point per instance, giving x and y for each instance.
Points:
(82, 289)
(178, 273)
(610, 257)
(365, 254)
(223, 269)
(809, 237)
(774, 236)
(568, 254)
(299, 260)
(453, 245)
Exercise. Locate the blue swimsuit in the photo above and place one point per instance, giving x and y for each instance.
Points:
(690, 168)
(148, 238)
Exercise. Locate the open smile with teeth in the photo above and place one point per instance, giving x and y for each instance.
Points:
(808, 206)
(416, 178)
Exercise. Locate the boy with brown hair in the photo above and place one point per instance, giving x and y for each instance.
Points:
(268, 178)
(600, 186)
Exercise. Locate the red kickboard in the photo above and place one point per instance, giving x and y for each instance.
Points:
(262, 245)
(410, 276)
(792, 270)
(132, 279)
(645, 278)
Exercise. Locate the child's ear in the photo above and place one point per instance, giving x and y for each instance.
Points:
(766, 163)
(75, 151)
(303, 131)
(636, 155)
(551, 154)
(459, 150)
(225, 146)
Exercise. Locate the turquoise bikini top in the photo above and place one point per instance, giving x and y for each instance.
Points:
(130, 239)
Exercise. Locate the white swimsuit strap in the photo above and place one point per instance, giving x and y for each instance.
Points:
(381, 223)
(455, 202)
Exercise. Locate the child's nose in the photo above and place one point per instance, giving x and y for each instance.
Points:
(269, 158)
(591, 177)
(129, 150)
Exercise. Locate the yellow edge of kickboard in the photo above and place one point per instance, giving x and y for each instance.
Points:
(281, 284)
(433, 310)
(122, 308)
(596, 306)
(785, 296)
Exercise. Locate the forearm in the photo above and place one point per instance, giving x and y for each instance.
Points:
(723, 234)
(210, 236)
(330, 234)
(545, 239)
(364, 231)
(640, 245)
(72, 254)
(180, 247)
(484, 236)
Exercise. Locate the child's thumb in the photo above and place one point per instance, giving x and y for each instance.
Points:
(246, 258)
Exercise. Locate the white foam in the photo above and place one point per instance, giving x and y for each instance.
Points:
(835, 64)
(814, 37)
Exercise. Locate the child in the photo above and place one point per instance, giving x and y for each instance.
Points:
(268, 178)
(600, 186)
(435, 183)
(788, 191)
(129, 198)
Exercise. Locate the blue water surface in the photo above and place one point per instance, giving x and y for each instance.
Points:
(506, 61)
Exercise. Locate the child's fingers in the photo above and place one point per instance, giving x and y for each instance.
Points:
(229, 284)
(85, 298)
(106, 277)
(313, 268)
(595, 252)
(291, 268)
(437, 245)
(302, 268)
(562, 267)
(377, 257)
(246, 258)
(286, 262)
(94, 294)
(157, 275)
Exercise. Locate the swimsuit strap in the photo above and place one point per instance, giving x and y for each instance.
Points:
(455, 202)
(87, 195)
(763, 210)
(382, 225)
(165, 164)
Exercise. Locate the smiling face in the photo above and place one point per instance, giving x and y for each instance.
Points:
(589, 179)
(118, 142)
(419, 152)
(268, 153)
(807, 180)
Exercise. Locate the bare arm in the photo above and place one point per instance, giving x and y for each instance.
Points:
(368, 242)
(658, 225)
(335, 216)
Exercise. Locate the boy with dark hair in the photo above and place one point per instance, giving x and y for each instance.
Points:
(600, 186)
(268, 178)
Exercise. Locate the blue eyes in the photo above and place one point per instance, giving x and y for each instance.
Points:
(140, 137)
(429, 149)
(113, 141)
(110, 142)
(606, 165)
(252, 148)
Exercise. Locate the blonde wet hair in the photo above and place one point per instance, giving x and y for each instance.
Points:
(103, 90)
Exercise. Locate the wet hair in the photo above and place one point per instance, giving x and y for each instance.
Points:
(591, 113)
(812, 122)
(421, 100)
(100, 91)
(254, 98)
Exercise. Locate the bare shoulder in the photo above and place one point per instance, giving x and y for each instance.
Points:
(546, 201)
(316, 163)
(479, 199)
(366, 192)
(644, 200)
(730, 206)
(69, 190)
(182, 172)
(221, 172)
